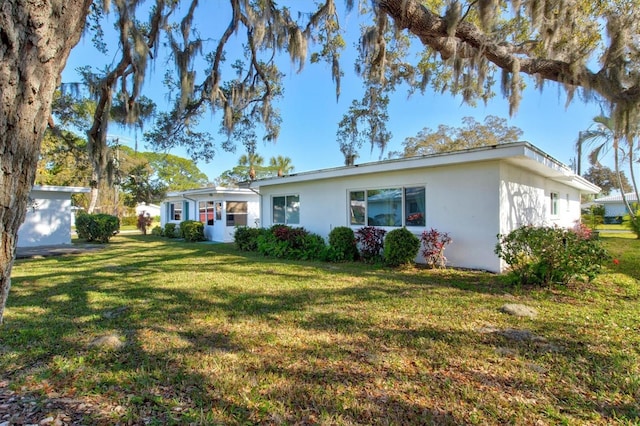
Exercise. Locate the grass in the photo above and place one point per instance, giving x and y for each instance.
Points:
(215, 336)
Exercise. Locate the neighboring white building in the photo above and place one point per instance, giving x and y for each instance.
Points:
(220, 209)
(49, 216)
(614, 207)
(151, 209)
(474, 195)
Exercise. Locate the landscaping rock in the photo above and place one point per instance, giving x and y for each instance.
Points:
(519, 310)
(115, 313)
(109, 341)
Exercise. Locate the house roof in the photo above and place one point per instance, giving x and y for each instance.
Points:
(614, 199)
(521, 154)
(52, 188)
(210, 190)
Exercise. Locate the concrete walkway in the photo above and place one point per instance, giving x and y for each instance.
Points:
(58, 250)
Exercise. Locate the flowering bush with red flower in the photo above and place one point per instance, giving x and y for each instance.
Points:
(370, 242)
(434, 242)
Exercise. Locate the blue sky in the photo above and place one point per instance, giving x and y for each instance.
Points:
(311, 114)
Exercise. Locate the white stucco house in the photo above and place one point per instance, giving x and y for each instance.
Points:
(220, 209)
(152, 210)
(614, 206)
(49, 216)
(474, 195)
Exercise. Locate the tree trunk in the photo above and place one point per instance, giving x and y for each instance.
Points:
(35, 40)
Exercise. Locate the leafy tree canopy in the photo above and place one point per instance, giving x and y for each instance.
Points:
(471, 134)
(607, 179)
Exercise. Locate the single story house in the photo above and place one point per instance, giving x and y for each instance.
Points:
(614, 206)
(219, 209)
(152, 210)
(49, 216)
(473, 195)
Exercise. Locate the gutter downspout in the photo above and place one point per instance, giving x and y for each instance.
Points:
(260, 204)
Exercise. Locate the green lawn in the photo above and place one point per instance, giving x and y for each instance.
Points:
(215, 336)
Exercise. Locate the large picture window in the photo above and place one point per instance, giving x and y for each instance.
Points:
(388, 207)
(286, 209)
(236, 213)
(205, 210)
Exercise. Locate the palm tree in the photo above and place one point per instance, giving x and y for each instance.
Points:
(281, 164)
(605, 137)
(252, 161)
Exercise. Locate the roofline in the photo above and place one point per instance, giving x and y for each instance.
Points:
(54, 188)
(494, 152)
(207, 190)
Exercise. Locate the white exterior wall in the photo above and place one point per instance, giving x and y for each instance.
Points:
(219, 231)
(615, 209)
(460, 199)
(525, 198)
(48, 222)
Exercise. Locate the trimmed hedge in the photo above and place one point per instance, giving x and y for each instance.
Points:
(97, 227)
(192, 230)
(400, 247)
(342, 242)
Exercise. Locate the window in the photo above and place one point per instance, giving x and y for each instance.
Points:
(568, 203)
(236, 213)
(388, 207)
(554, 203)
(357, 207)
(175, 211)
(218, 210)
(205, 209)
(286, 209)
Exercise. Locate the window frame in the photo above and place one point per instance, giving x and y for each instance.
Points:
(209, 212)
(175, 208)
(286, 206)
(232, 217)
(554, 198)
(361, 195)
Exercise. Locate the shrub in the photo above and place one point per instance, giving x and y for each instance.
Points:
(291, 243)
(170, 230)
(633, 222)
(246, 238)
(157, 231)
(192, 230)
(97, 227)
(400, 247)
(545, 255)
(433, 244)
(371, 242)
(343, 245)
(144, 222)
(129, 221)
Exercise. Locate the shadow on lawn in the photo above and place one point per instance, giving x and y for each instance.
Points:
(312, 382)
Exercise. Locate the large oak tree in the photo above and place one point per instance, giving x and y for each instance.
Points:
(468, 49)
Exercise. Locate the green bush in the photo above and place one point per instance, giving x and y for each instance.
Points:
(157, 231)
(192, 230)
(170, 230)
(285, 242)
(545, 255)
(246, 238)
(633, 223)
(343, 245)
(400, 247)
(129, 220)
(97, 227)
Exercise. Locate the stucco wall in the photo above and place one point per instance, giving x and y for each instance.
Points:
(48, 221)
(461, 200)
